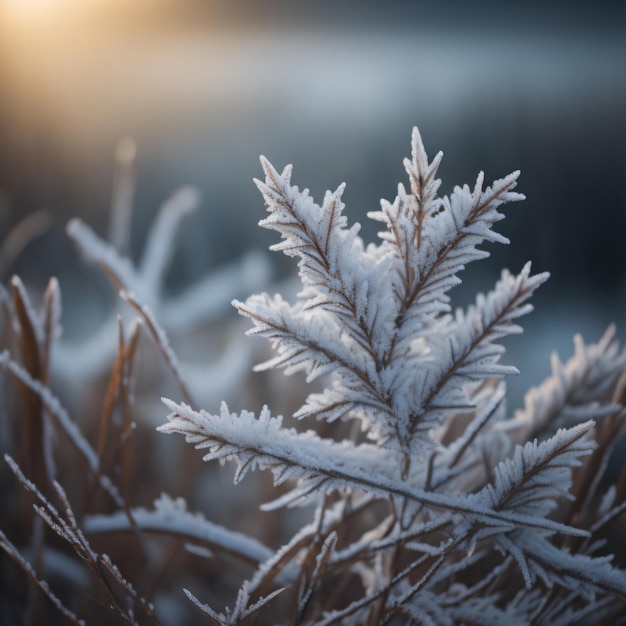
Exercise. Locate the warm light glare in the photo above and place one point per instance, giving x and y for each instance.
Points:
(49, 15)
(33, 8)
(50, 11)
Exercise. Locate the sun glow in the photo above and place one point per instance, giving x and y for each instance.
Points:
(37, 10)
(79, 70)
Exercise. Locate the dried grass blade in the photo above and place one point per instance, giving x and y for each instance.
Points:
(28, 569)
(126, 452)
(106, 564)
(63, 422)
(322, 559)
(160, 339)
(32, 435)
(112, 392)
(51, 315)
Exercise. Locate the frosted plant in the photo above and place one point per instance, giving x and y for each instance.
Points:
(200, 304)
(436, 510)
(424, 502)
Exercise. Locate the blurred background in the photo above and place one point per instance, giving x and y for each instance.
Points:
(205, 86)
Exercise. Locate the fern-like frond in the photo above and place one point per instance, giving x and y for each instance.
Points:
(577, 390)
(242, 610)
(432, 385)
(442, 507)
(321, 465)
(539, 558)
(538, 474)
(434, 238)
(337, 274)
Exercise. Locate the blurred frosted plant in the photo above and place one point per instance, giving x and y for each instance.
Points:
(426, 504)
(201, 304)
(442, 513)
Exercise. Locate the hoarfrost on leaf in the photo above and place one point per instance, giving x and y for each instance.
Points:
(437, 509)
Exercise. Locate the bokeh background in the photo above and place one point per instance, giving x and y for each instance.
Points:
(205, 86)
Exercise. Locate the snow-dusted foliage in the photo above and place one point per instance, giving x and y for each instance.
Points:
(399, 491)
(143, 285)
(443, 512)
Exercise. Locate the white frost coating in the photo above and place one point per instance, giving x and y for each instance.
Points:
(576, 390)
(572, 571)
(205, 608)
(242, 608)
(361, 307)
(53, 405)
(96, 250)
(321, 561)
(200, 551)
(31, 314)
(459, 351)
(53, 302)
(159, 248)
(13, 552)
(539, 473)
(423, 381)
(170, 516)
(210, 297)
(65, 423)
(201, 303)
(161, 337)
(66, 527)
(326, 466)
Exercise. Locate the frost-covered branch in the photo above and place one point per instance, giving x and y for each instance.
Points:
(455, 482)
(321, 465)
(171, 517)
